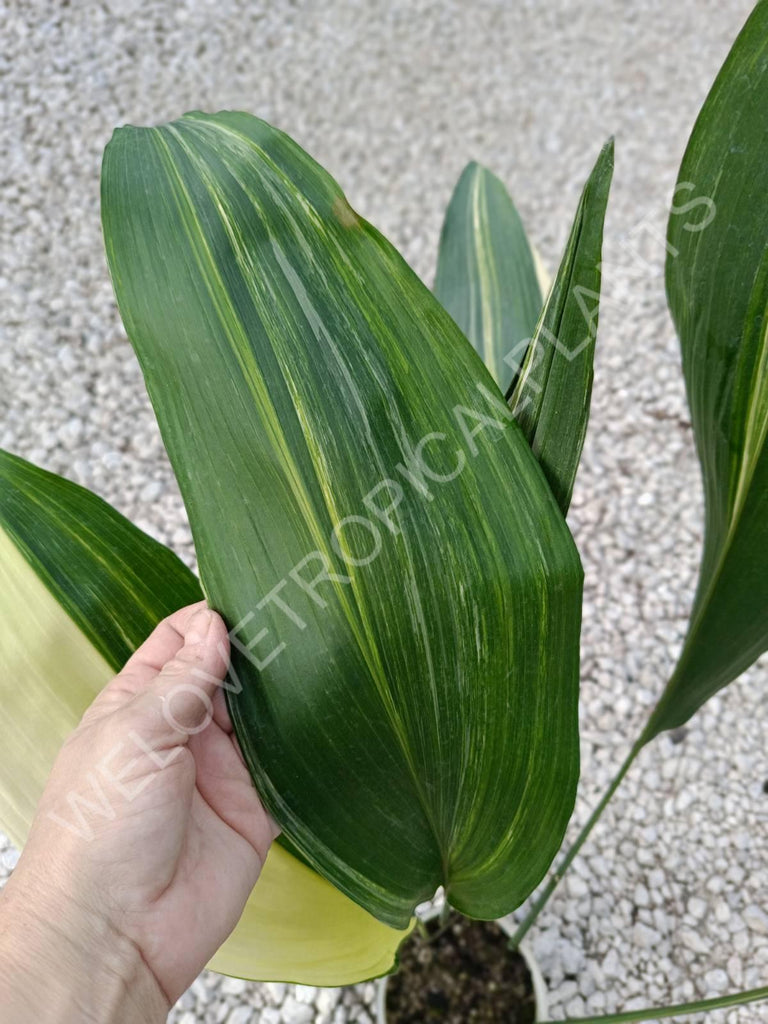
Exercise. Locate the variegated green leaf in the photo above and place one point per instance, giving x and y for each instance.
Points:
(486, 272)
(367, 517)
(67, 535)
(80, 588)
(717, 285)
(550, 397)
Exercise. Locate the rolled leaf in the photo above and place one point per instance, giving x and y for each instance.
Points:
(80, 586)
(550, 398)
(717, 287)
(486, 273)
(403, 592)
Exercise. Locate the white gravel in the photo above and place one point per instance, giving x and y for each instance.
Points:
(669, 900)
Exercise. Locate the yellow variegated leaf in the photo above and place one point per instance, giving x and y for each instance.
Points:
(49, 674)
(296, 926)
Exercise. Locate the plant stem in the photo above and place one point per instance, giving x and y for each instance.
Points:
(658, 1013)
(445, 913)
(440, 931)
(567, 860)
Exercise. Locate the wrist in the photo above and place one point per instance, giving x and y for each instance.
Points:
(63, 962)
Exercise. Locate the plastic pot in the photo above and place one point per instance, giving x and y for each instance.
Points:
(507, 925)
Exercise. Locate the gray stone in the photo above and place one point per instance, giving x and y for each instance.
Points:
(694, 941)
(305, 993)
(233, 986)
(756, 919)
(294, 1012)
(276, 991)
(716, 981)
(645, 937)
(242, 1015)
(150, 491)
(327, 998)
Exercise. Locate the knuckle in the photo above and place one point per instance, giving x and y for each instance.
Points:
(179, 665)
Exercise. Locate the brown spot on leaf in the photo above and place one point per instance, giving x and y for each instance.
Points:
(344, 213)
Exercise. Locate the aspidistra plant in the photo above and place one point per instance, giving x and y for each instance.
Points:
(332, 428)
(379, 516)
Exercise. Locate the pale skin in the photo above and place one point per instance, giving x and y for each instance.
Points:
(112, 928)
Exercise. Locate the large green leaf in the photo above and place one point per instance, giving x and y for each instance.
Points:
(79, 587)
(550, 398)
(367, 517)
(717, 285)
(486, 273)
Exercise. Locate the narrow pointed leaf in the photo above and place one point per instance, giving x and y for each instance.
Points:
(79, 587)
(367, 517)
(486, 272)
(717, 286)
(550, 397)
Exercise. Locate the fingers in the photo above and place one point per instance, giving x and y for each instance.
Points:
(163, 644)
(225, 784)
(169, 689)
(221, 712)
(175, 679)
(186, 684)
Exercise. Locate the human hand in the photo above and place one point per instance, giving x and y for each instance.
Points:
(146, 844)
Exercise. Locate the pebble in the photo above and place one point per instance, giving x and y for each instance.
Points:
(716, 981)
(241, 1015)
(612, 968)
(722, 912)
(327, 998)
(294, 1012)
(692, 940)
(741, 942)
(305, 993)
(575, 1007)
(233, 986)
(571, 957)
(735, 970)
(642, 898)
(276, 991)
(645, 937)
(150, 491)
(697, 907)
(576, 886)
(756, 919)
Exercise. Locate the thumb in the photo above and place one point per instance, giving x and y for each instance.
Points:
(178, 702)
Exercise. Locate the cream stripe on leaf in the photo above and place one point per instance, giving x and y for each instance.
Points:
(49, 674)
(717, 286)
(80, 588)
(487, 277)
(410, 683)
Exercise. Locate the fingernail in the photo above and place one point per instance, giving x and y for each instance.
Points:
(273, 826)
(199, 627)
